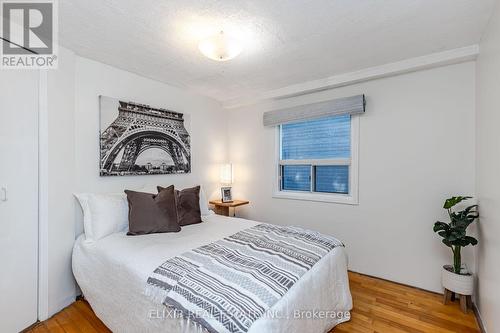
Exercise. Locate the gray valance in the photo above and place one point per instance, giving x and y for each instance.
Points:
(347, 105)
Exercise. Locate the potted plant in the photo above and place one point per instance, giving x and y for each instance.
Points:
(456, 278)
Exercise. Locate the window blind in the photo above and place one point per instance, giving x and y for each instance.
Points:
(315, 139)
(347, 105)
(315, 155)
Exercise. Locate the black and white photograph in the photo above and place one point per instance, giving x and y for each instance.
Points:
(226, 194)
(138, 139)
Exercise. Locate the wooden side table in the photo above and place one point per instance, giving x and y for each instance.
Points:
(222, 208)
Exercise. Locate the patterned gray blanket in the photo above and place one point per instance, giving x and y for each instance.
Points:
(227, 285)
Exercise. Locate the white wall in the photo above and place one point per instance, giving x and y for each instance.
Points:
(208, 128)
(73, 153)
(487, 175)
(416, 149)
(60, 181)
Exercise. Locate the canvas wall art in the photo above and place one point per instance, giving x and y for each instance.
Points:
(137, 139)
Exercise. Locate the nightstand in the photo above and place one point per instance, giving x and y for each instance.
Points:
(222, 208)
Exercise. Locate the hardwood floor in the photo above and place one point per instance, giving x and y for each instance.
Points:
(386, 307)
(379, 306)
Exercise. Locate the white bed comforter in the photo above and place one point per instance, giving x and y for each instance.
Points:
(112, 274)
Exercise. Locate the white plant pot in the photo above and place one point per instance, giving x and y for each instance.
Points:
(462, 284)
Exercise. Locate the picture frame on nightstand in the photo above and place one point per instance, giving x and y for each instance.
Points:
(227, 196)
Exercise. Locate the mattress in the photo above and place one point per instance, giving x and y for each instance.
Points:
(112, 274)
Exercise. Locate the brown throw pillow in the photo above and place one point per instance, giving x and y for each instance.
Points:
(152, 213)
(188, 205)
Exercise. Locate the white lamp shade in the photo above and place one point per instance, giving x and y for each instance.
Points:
(220, 47)
(226, 173)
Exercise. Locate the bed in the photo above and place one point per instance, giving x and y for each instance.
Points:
(112, 274)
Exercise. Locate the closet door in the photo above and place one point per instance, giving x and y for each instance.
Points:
(18, 199)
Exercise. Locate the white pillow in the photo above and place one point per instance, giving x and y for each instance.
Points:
(203, 198)
(203, 203)
(103, 214)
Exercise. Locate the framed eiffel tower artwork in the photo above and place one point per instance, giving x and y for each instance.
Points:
(137, 139)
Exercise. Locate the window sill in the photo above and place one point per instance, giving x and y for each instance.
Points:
(320, 197)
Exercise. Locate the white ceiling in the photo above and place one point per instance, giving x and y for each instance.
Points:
(287, 41)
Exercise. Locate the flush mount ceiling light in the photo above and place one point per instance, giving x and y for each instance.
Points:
(220, 47)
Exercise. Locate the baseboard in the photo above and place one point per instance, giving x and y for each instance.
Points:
(31, 327)
(479, 318)
(400, 283)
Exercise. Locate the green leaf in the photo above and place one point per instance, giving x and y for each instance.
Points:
(443, 234)
(471, 240)
(454, 234)
(462, 242)
(471, 208)
(471, 212)
(449, 203)
(440, 226)
(458, 232)
(446, 242)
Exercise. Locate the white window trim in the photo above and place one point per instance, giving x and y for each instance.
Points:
(350, 199)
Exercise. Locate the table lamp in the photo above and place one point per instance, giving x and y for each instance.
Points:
(226, 179)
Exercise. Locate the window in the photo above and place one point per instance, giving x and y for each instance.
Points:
(317, 159)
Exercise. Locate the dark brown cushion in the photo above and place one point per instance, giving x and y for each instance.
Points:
(152, 213)
(188, 205)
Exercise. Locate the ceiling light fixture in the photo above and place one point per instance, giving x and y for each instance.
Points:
(220, 47)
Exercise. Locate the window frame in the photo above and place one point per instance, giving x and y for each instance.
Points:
(351, 198)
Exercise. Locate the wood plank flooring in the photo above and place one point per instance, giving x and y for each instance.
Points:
(379, 306)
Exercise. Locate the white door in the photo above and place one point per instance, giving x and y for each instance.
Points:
(18, 199)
